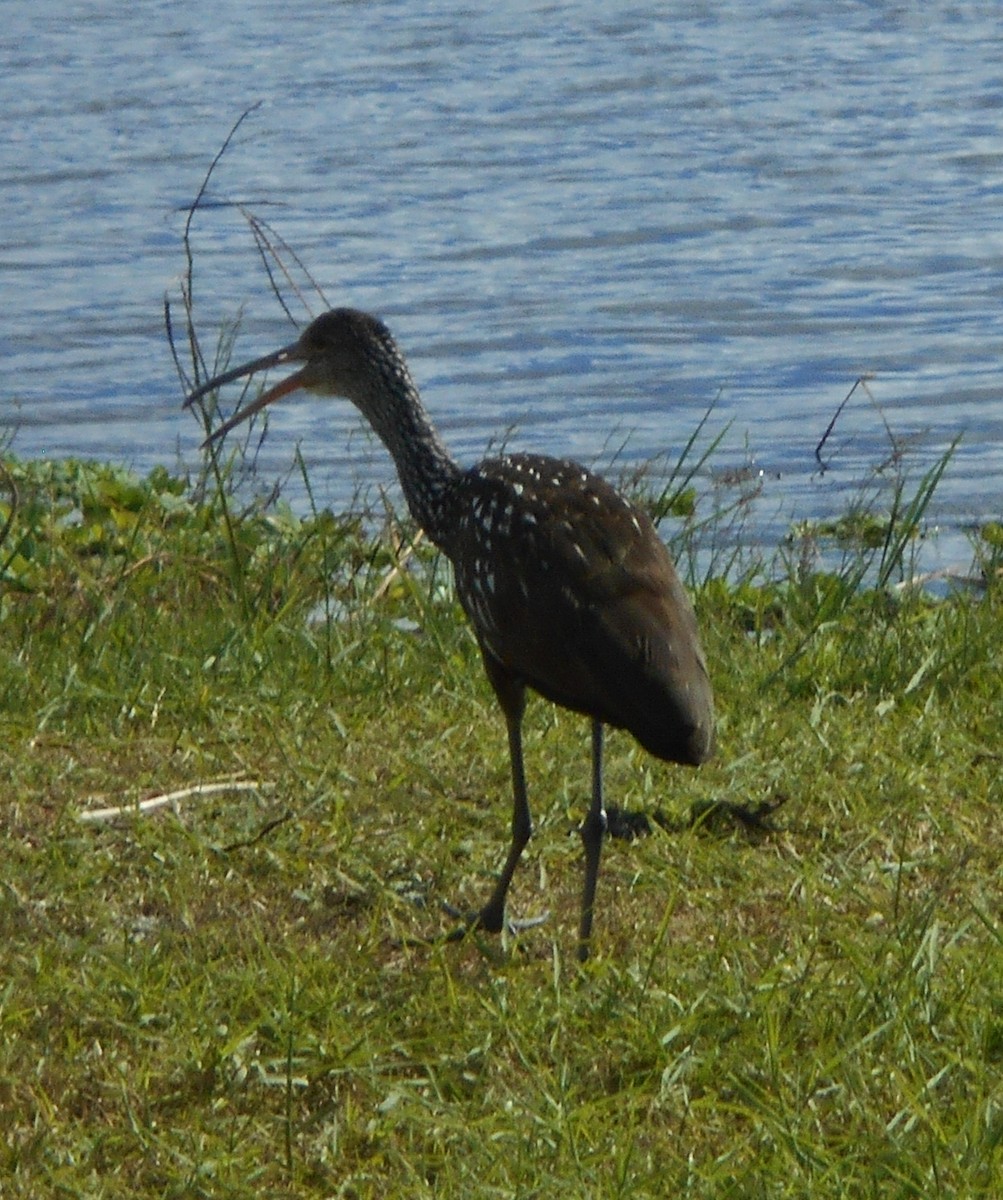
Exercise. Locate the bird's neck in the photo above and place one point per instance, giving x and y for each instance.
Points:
(426, 469)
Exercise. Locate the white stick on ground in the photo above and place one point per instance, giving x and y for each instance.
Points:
(155, 802)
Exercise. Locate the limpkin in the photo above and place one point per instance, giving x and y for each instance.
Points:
(568, 587)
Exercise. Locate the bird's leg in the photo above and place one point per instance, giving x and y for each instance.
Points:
(511, 693)
(492, 915)
(593, 831)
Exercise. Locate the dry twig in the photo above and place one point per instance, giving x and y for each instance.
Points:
(199, 790)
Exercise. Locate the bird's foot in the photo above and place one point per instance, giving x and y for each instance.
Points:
(489, 919)
(518, 925)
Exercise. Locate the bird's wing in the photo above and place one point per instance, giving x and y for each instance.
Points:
(586, 607)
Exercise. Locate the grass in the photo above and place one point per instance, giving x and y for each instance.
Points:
(230, 996)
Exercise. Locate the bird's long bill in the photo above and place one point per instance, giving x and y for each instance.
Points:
(283, 388)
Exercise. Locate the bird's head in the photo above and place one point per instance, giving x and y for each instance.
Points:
(336, 356)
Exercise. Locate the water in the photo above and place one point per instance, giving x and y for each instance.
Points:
(584, 225)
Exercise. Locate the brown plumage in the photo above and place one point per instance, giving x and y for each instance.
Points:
(568, 586)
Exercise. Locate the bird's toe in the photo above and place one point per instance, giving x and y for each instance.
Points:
(490, 919)
(520, 924)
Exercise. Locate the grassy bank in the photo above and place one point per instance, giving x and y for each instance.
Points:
(229, 996)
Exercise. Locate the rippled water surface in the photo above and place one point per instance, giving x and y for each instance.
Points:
(585, 225)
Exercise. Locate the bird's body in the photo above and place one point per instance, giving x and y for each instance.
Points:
(571, 591)
(568, 587)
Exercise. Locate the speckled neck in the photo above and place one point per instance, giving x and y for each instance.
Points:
(427, 471)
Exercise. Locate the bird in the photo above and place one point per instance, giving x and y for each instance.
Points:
(569, 589)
